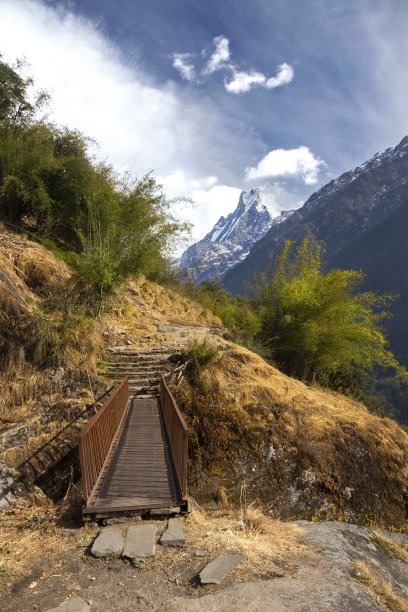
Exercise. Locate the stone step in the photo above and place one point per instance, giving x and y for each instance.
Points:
(140, 541)
(162, 355)
(109, 543)
(143, 384)
(147, 362)
(77, 604)
(130, 367)
(218, 568)
(174, 534)
(134, 376)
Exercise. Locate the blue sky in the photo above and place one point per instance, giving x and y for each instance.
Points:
(219, 96)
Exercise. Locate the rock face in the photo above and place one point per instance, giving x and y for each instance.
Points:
(362, 218)
(230, 240)
(324, 578)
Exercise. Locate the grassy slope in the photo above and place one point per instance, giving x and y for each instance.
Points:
(34, 287)
(304, 452)
(256, 432)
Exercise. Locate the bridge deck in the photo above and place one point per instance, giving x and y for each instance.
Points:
(138, 472)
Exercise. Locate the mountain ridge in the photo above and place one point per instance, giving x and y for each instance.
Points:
(350, 215)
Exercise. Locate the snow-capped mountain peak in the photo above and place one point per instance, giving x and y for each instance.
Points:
(230, 239)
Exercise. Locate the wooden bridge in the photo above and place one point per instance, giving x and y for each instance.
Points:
(133, 454)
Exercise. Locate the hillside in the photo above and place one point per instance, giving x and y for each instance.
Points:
(359, 217)
(304, 452)
(276, 448)
(52, 358)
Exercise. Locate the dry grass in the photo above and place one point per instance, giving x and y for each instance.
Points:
(39, 434)
(39, 268)
(20, 386)
(29, 533)
(243, 409)
(167, 305)
(379, 587)
(394, 548)
(142, 305)
(269, 545)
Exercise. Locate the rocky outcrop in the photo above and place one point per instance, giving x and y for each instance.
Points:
(326, 578)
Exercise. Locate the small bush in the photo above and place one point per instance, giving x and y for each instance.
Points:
(198, 354)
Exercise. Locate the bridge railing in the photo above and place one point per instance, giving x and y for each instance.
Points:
(177, 431)
(97, 435)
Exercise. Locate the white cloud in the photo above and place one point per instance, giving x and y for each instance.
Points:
(139, 125)
(291, 162)
(184, 66)
(284, 77)
(220, 57)
(244, 81)
(241, 81)
(132, 120)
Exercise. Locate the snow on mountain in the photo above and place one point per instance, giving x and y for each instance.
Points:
(230, 240)
(342, 214)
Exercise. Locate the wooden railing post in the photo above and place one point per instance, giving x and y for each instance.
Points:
(177, 431)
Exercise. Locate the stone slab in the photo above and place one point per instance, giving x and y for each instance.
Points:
(165, 511)
(174, 534)
(140, 541)
(109, 543)
(218, 568)
(72, 605)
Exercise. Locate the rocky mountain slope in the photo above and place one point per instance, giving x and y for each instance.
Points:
(230, 240)
(361, 217)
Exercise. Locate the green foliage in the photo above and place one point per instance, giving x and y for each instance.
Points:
(198, 354)
(50, 184)
(317, 326)
(237, 314)
(14, 106)
(388, 396)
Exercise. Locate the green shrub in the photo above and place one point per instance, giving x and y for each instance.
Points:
(198, 354)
